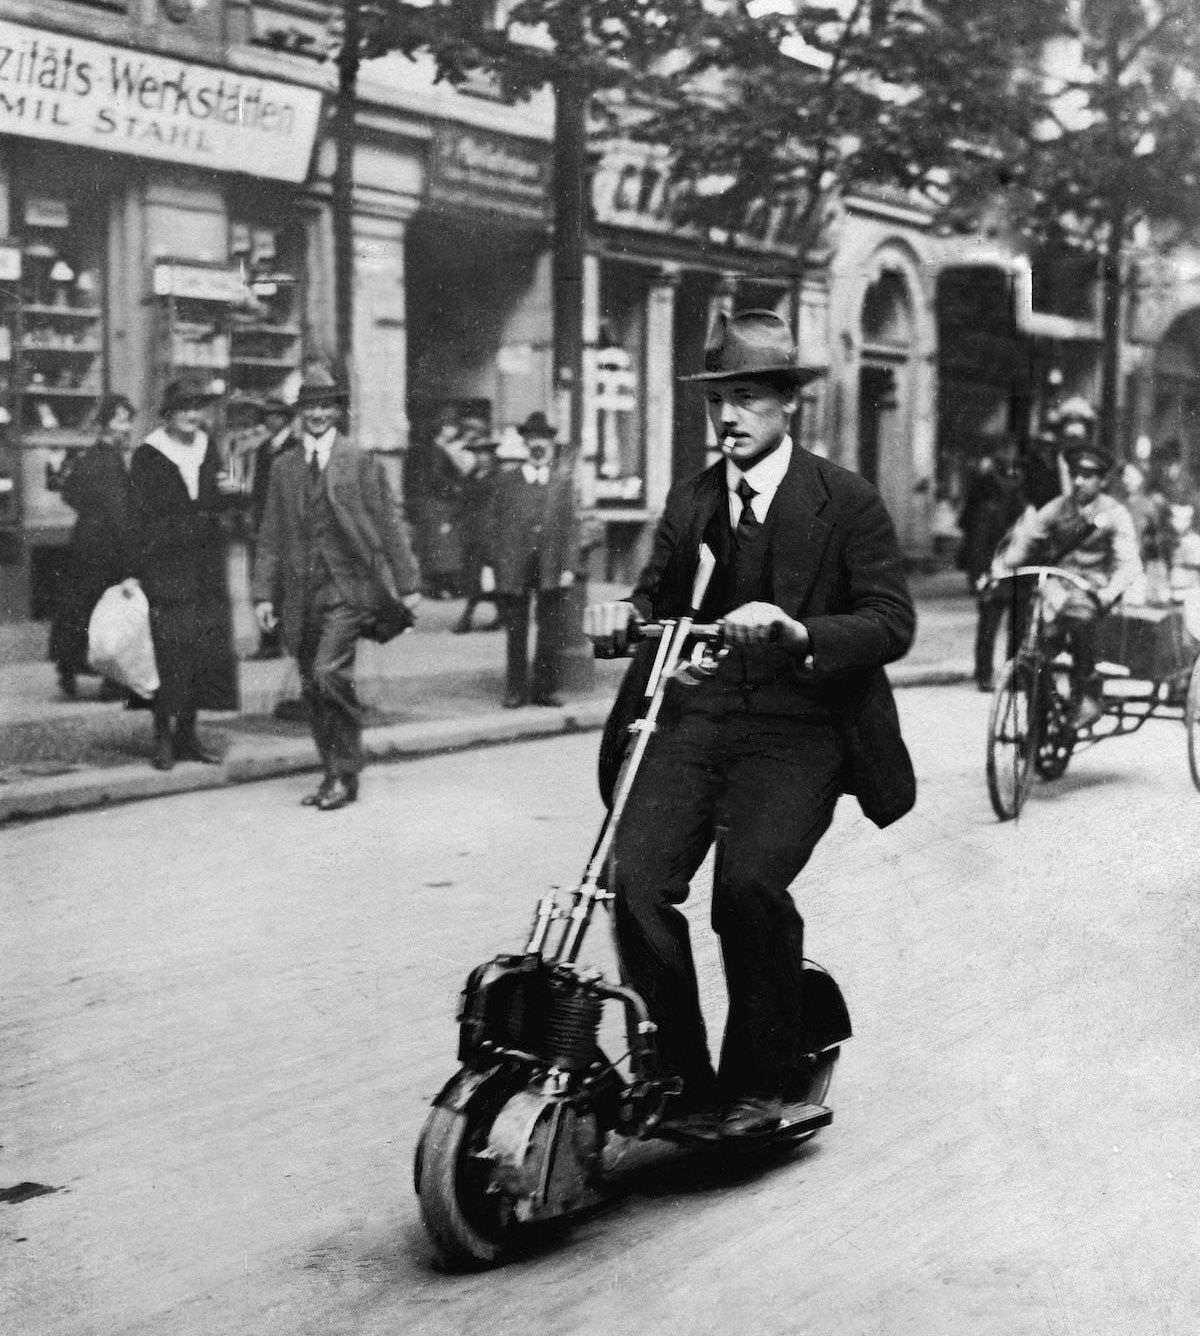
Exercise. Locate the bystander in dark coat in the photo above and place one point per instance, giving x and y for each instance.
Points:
(179, 555)
(96, 487)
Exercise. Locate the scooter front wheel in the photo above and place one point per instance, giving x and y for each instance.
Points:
(468, 1220)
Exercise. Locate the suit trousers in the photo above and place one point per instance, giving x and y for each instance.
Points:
(514, 613)
(325, 658)
(767, 786)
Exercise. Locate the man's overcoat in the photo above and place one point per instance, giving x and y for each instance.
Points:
(374, 557)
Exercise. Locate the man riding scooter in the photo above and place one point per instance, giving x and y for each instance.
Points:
(809, 587)
(1092, 534)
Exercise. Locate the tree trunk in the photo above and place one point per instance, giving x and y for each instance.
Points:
(1108, 434)
(343, 189)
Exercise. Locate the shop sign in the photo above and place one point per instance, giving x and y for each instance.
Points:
(200, 282)
(490, 171)
(639, 194)
(72, 91)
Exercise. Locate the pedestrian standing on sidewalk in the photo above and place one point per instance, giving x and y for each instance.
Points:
(809, 584)
(279, 423)
(474, 523)
(534, 533)
(96, 488)
(177, 496)
(332, 550)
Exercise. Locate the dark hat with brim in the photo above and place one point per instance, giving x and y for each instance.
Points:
(1091, 454)
(274, 407)
(181, 394)
(536, 424)
(753, 345)
(320, 387)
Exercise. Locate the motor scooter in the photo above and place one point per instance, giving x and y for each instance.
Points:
(517, 1137)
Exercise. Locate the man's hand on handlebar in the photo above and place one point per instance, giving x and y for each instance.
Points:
(756, 623)
(608, 627)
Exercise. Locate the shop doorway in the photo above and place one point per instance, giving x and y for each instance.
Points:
(1177, 390)
(885, 451)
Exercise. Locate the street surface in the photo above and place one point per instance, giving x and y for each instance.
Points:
(224, 1017)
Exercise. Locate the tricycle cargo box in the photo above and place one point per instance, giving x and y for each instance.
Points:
(1151, 642)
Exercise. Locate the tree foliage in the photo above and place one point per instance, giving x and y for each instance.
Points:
(1118, 140)
(807, 99)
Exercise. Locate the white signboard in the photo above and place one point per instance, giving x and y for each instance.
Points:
(74, 91)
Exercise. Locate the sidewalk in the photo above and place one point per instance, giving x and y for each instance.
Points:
(430, 691)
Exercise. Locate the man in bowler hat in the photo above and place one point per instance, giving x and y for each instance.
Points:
(809, 585)
(1093, 534)
(331, 549)
(534, 537)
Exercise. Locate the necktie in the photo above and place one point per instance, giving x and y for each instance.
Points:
(314, 467)
(747, 525)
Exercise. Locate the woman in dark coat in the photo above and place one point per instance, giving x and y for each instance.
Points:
(179, 558)
(96, 487)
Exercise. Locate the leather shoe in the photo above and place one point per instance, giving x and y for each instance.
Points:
(163, 757)
(751, 1116)
(340, 793)
(189, 749)
(513, 700)
(548, 698)
(312, 799)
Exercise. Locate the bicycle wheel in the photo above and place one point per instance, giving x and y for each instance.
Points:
(1055, 737)
(1012, 741)
(1191, 721)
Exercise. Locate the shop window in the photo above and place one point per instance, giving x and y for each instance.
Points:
(616, 448)
(265, 332)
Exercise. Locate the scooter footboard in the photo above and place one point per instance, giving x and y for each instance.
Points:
(826, 1018)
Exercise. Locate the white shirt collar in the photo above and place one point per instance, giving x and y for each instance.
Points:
(535, 472)
(186, 456)
(764, 476)
(319, 446)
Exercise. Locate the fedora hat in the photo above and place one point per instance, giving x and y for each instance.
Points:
(753, 344)
(273, 406)
(184, 393)
(536, 425)
(320, 387)
(1078, 454)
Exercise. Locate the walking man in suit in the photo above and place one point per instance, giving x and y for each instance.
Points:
(333, 548)
(534, 539)
(810, 587)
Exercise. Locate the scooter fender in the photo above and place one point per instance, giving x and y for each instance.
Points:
(467, 1084)
(826, 1017)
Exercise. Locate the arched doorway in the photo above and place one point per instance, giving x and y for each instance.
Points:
(1177, 388)
(884, 443)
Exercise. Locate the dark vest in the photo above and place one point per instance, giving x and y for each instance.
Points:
(327, 558)
(764, 679)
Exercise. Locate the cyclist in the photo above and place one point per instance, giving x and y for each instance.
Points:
(1092, 534)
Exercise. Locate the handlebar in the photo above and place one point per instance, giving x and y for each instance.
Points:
(710, 632)
(1042, 573)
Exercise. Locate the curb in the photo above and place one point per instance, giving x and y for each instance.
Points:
(247, 762)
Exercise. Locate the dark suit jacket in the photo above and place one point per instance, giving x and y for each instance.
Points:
(376, 548)
(835, 566)
(518, 509)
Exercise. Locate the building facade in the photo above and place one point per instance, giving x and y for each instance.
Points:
(165, 206)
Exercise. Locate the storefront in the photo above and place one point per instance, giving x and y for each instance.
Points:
(154, 224)
(652, 287)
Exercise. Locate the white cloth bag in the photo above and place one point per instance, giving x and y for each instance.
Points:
(119, 642)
